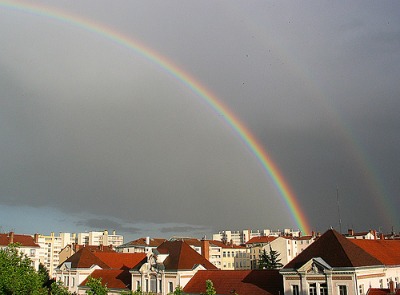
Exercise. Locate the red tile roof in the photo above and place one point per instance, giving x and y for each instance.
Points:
(243, 282)
(181, 256)
(24, 240)
(153, 242)
(120, 260)
(376, 291)
(226, 246)
(336, 250)
(112, 278)
(263, 239)
(386, 251)
(85, 258)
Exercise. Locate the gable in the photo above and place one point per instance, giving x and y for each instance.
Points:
(336, 251)
(315, 266)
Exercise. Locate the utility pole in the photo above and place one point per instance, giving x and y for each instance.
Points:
(338, 209)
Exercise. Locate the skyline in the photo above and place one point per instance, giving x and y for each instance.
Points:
(198, 135)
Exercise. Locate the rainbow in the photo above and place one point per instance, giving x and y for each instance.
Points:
(186, 79)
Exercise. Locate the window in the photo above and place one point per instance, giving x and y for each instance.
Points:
(137, 285)
(312, 289)
(72, 282)
(224, 254)
(32, 252)
(171, 286)
(295, 290)
(361, 289)
(323, 289)
(342, 290)
(160, 286)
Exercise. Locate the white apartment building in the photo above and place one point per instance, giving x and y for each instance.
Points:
(50, 248)
(97, 238)
(288, 247)
(240, 237)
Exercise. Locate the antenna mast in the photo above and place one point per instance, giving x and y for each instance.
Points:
(338, 209)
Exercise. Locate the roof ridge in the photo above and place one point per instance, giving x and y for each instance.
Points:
(350, 244)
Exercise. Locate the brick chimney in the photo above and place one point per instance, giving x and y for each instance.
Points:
(11, 237)
(36, 238)
(350, 232)
(205, 249)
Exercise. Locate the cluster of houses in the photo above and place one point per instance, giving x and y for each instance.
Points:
(331, 263)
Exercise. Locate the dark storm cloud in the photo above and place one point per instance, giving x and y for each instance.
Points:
(183, 229)
(107, 224)
(90, 127)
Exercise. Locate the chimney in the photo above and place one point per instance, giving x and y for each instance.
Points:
(350, 232)
(36, 238)
(205, 249)
(114, 232)
(392, 288)
(381, 236)
(11, 237)
(147, 240)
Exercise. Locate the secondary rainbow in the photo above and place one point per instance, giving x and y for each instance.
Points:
(247, 137)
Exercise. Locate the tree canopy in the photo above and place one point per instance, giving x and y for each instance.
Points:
(269, 260)
(17, 275)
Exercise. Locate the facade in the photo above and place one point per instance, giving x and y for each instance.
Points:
(172, 264)
(233, 257)
(96, 238)
(334, 265)
(288, 247)
(243, 282)
(223, 256)
(241, 237)
(50, 248)
(26, 245)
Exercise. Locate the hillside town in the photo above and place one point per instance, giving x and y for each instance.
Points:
(236, 262)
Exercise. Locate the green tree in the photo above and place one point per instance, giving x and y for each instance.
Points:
(270, 260)
(17, 276)
(210, 290)
(96, 287)
(178, 291)
(58, 288)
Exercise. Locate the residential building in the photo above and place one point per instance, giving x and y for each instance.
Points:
(50, 248)
(366, 235)
(172, 264)
(243, 236)
(336, 265)
(96, 238)
(243, 282)
(142, 245)
(27, 245)
(233, 257)
(223, 256)
(70, 250)
(89, 261)
(288, 247)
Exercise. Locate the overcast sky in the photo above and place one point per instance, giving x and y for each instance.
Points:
(95, 136)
